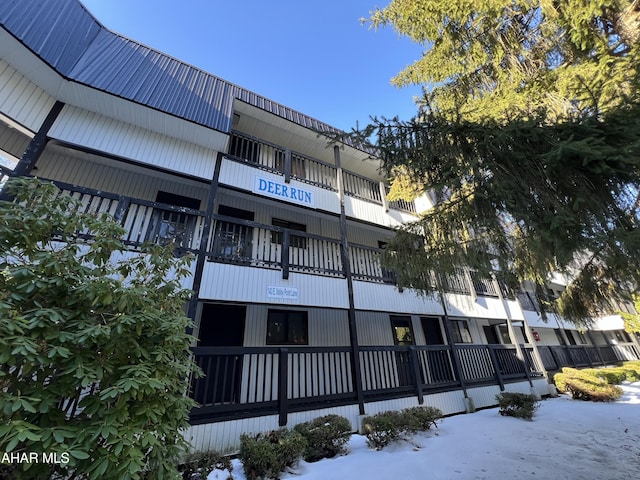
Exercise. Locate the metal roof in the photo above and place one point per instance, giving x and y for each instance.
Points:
(69, 39)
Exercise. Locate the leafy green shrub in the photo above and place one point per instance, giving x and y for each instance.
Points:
(199, 465)
(387, 427)
(421, 419)
(267, 455)
(383, 428)
(325, 436)
(94, 355)
(612, 376)
(586, 386)
(519, 405)
(616, 375)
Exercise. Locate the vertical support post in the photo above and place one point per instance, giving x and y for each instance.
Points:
(287, 165)
(35, 148)
(356, 368)
(496, 367)
(383, 196)
(417, 376)
(452, 346)
(283, 390)
(284, 256)
(121, 209)
(512, 332)
(204, 242)
(38, 142)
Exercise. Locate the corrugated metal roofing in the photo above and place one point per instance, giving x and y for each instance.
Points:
(66, 36)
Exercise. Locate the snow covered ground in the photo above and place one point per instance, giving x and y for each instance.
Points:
(567, 439)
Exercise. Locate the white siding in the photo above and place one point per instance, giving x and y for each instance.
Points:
(482, 307)
(374, 213)
(249, 285)
(97, 132)
(448, 402)
(242, 176)
(225, 436)
(21, 100)
(374, 328)
(377, 296)
(121, 181)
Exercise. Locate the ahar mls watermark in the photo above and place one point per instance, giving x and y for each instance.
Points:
(52, 458)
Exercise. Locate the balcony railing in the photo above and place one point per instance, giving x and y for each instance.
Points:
(279, 160)
(262, 380)
(249, 243)
(579, 356)
(242, 242)
(282, 161)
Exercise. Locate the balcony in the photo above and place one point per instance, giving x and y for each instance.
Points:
(253, 381)
(245, 243)
(291, 165)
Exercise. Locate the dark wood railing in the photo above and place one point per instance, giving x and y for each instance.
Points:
(280, 160)
(276, 159)
(259, 380)
(579, 356)
(249, 243)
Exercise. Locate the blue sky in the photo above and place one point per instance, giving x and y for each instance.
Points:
(315, 57)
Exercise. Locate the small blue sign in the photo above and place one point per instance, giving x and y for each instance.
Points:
(288, 192)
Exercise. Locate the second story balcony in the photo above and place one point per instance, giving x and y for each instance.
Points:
(365, 198)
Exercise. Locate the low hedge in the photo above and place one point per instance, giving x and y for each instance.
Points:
(267, 455)
(325, 436)
(519, 405)
(584, 385)
(386, 427)
(199, 465)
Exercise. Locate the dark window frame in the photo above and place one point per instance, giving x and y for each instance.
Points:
(402, 322)
(458, 333)
(295, 240)
(289, 331)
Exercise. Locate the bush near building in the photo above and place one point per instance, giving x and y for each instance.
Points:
(583, 385)
(519, 405)
(267, 455)
(386, 427)
(326, 436)
(94, 354)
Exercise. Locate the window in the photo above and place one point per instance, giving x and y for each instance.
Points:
(171, 226)
(295, 241)
(232, 241)
(402, 330)
(287, 327)
(504, 335)
(432, 331)
(460, 331)
(559, 336)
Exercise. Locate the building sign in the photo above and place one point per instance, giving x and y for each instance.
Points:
(288, 293)
(283, 191)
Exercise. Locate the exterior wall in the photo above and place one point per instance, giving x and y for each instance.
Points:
(22, 100)
(122, 181)
(376, 296)
(243, 176)
(80, 127)
(327, 327)
(374, 213)
(249, 285)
